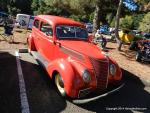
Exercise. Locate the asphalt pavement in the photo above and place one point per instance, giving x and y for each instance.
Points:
(42, 96)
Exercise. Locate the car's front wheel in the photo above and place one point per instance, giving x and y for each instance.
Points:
(60, 84)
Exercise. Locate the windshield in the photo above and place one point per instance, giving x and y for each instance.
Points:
(71, 32)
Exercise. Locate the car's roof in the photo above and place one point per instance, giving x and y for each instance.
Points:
(56, 20)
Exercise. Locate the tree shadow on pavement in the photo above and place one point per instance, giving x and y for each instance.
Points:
(41, 92)
(9, 88)
(131, 98)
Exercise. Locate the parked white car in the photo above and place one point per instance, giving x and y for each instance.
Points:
(24, 21)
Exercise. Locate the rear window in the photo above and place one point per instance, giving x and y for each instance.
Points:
(36, 23)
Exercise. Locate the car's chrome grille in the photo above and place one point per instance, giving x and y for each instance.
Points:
(101, 72)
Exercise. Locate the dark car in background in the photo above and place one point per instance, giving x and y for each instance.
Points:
(143, 53)
(146, 34)
(3, 17)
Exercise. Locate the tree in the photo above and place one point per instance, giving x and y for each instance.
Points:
(127, 22)
(16, 6)
(145, 24)
(144, 5)
(137, 18)
(117, 25)
(97, 15)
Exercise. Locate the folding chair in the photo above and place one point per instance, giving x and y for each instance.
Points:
(8, 34)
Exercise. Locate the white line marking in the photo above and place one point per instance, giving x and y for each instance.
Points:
(23, 95)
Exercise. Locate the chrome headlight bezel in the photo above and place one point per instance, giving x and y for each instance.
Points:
(112, 69)
(86, 76)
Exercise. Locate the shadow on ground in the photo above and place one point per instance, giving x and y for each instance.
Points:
(41, 92)
(15, 42)
(132, 97)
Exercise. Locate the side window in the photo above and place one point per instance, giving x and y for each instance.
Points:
(46, 28)
(36, 23)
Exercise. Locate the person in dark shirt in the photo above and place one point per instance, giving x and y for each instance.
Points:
(100, 38)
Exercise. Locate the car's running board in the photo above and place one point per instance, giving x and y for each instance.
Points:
(40, 59)
(83, 101)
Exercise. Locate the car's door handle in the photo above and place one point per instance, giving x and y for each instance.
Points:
(57, 43)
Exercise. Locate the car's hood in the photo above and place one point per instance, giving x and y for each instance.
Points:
(84, 48)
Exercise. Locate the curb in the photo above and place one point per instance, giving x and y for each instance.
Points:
(23, 50)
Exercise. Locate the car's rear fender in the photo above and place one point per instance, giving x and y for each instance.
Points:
(30, 42)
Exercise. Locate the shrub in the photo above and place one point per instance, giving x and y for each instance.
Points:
(127, 22)
(145, 24)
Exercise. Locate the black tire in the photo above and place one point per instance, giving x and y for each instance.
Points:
(60, 85)
(132, 46)
(138, 56)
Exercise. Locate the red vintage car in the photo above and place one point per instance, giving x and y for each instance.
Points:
(77, 66)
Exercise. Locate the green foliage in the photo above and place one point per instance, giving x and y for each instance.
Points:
(15, 6)
(75, 17)
(80, 10)
(13, 10)
(137, 18)
(127, 22)
(145, 24)
(112, 24)
(81, 18)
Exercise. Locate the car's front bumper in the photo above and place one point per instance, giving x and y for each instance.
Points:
(82, 101)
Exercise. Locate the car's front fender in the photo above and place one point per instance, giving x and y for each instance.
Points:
(68, 74)
(118, 75)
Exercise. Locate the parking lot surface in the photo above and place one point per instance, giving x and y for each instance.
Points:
(30, 80)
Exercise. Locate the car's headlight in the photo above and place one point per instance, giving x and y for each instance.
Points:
(112, 69)
(86, 76)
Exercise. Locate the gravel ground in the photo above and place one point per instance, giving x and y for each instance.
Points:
(125, 58)
(19, 40)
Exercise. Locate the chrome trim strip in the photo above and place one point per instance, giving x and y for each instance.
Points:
(83, 101)
(72, 53)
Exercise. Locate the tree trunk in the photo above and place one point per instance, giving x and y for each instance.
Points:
(97, 16)
(117, 25)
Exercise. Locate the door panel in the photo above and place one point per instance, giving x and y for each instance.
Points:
(35, 33)
(46, 41)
